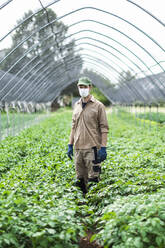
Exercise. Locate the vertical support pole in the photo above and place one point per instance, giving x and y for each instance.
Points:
(20, 117)
(140, 112)
(157, 113)
(116, 109)
(7, 119)
(2, 122)
(144, 114)
(0, 125)
(150, 116)
(135, 114)
(14, 121)
(111, 112)
(23, 117)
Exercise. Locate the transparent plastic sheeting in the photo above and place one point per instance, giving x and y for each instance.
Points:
(109, 39)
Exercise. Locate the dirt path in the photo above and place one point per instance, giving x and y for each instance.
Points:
(85, 242)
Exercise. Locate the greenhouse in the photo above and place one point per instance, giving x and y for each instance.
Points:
(110, 57)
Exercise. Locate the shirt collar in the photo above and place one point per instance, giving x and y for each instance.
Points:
(92, 99)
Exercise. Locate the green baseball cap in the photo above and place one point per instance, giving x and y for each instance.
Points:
(84, 81)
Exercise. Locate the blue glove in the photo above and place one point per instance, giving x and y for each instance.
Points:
(70, 151)
(102, 154)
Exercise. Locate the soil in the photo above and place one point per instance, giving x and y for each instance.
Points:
(85, 242)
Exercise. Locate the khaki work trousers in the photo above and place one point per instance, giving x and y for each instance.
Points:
(84, 164)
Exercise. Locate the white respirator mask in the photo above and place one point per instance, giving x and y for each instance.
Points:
(84, 92)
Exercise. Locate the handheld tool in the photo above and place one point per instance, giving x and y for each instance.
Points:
(97, 160)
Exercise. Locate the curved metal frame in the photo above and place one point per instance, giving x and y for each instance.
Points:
(50, 45)
(146, 11)
(106, 12)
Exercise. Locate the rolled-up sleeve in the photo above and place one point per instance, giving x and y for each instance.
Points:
(103, 122)
(73, 122)
(73, 117)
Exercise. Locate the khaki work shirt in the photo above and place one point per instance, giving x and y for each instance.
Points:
(88, 123)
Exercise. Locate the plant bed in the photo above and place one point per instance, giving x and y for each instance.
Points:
(40, 207)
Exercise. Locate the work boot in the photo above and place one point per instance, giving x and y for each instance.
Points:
(94, 179)
(81, 184)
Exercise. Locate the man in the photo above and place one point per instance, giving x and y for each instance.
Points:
(88, 135)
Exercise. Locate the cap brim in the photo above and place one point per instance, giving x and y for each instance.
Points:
(82, 83)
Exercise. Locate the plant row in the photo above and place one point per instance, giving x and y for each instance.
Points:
(129, 202)
(40, 206)
(38, 199)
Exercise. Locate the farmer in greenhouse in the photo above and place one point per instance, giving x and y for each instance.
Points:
(88, 135)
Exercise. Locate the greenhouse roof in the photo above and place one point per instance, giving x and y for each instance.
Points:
(47, 45)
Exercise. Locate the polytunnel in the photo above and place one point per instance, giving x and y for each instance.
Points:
(38, 62)
(107, 40)
(87, 175)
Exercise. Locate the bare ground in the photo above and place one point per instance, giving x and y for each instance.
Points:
(85, 242)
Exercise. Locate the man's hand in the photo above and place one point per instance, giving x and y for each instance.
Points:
(102, 154)
(70, 151)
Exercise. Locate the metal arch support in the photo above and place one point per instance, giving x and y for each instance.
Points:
(109, 52)
(104, 50)
(119, 43)
(66, 83)
(146, 11)
(92, 31)
(95, 52)
(41, 9)
(114, 48)
(92, 64)
(18, 61)
(141, 98)
(61, 73)
(124, 20)
(28, 63)
(35, 93)
(109, 66)
(128, 37)
(162, 92)
(48, 74)
(107, 90)
(82, 38)
(4, 4)
(140, 69)
(26, 54)
(107, 25)
(20, 79)
(105, 57)
(132, 91)
(110, 97)
(15, 75)
(42, 73)
(114, 40)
